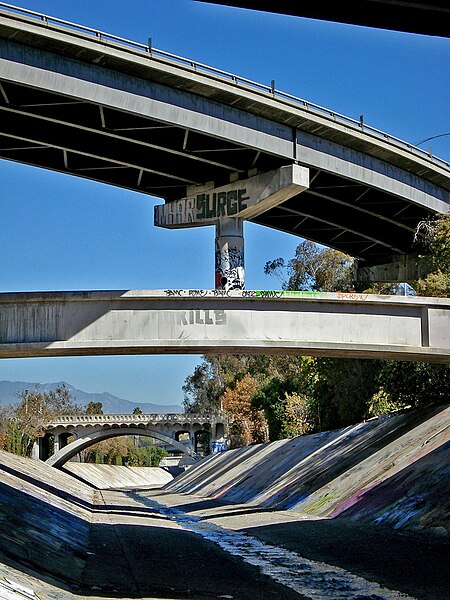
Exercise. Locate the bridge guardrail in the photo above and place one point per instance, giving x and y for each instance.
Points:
(135, 418)
(282, 97)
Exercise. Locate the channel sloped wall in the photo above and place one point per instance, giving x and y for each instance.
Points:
(392, 470)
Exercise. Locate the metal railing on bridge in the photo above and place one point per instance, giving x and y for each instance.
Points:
(206, 70)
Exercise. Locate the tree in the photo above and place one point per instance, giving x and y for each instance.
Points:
(436, 237)
(217, 372)
(352, 383)
(27, 421)
(297, 415)
(137, 411)
(115, 450)
(416, 383)
(271, 398)
(94, 408)
(247, 424)
(313, 268)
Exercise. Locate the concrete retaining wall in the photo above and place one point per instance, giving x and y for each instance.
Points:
(391, 471)
(106, 477)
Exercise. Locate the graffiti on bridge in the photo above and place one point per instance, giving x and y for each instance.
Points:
(264, 294)
(229, 268)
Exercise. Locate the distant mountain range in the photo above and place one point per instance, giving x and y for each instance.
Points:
(110, 403)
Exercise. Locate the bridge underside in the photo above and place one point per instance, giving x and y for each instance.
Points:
(197, 322)
(154, 131)
(430, 18)
(135, 152)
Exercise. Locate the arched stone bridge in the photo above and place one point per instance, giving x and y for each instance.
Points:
(168, 428)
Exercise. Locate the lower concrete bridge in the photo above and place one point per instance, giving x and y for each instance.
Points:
(181, 432)
(239, 321)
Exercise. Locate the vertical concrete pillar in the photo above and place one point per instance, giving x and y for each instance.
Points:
(229, 254)
(56, 443)
(36, 451)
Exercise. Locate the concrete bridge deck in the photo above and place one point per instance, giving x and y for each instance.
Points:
(199, 321)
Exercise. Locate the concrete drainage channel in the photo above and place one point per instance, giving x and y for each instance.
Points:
(311, 579)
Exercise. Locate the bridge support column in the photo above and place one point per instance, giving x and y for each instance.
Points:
(229, 254)
(56, 444)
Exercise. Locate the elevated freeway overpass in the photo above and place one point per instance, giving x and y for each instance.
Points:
(90, 104)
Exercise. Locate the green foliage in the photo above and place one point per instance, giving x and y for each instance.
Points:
(352, 383)
(382, 404)
(440, 244)
(271, 398)
(437, 283)
(314, 268)
(203, 443)
(137, 411)
(297, 415)
(216, 373)
(24, 423)
(122, 450)
(94, 408)
(416, 383)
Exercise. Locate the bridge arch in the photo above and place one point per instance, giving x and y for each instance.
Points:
(81, 443)
(199, 443)
(184, 431)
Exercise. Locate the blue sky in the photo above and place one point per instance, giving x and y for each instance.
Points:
(62, 233)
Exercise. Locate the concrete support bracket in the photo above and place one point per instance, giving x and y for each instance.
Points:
(245, 199)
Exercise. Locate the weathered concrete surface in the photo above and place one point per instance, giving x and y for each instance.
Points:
(244, 199)
(89, 438)
(392, 471)
(147, 544)
(104, 477)
(88, 429)
(108, 545)
(65, 540)
(197, 321)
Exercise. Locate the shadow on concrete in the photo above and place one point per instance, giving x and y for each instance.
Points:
(49, 488)
(416, 496)
(296, 469)
(413, 563)
(67, 552)
(209, 470)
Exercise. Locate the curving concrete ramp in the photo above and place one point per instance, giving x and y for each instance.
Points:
(94, 105)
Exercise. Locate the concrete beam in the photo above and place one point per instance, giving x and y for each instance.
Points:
(93, 84)
(360, 167)
(199, 321)
(407, 268)
(244, 199)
